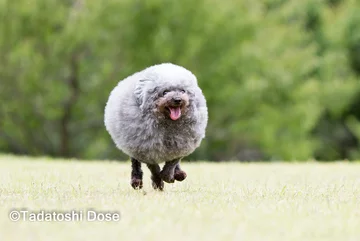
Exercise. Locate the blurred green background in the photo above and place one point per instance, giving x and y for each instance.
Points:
(281, 78)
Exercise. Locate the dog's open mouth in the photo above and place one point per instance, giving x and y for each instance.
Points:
(175, 112)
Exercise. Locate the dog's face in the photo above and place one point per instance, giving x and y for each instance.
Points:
(168, 91)
(172, 103)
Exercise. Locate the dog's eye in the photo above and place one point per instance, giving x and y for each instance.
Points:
(165, 92)
(183, 91)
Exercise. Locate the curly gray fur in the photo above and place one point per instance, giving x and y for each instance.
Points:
(135, 125)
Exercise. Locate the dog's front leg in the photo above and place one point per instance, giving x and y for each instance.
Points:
(136, 174)
(157, 183)
(168, 171)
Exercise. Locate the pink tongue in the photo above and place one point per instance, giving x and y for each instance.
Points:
(175, 113)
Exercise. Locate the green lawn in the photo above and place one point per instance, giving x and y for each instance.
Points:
(231, 201)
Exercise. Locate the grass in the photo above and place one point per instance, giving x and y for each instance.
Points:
(227, 201)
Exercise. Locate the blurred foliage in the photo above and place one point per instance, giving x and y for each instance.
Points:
(281, 78)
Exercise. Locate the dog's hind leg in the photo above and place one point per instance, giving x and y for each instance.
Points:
(136, 174)
(168, 171)
(179, 174)
(157, 183)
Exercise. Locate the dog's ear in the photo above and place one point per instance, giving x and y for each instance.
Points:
(140, 91)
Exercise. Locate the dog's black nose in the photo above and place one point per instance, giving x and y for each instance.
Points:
(177, 100)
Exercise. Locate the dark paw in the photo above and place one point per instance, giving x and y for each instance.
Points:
(158, 184)
(136, 183)
(167, 177)
(180, 175)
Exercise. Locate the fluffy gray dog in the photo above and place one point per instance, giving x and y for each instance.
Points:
(157, 115)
